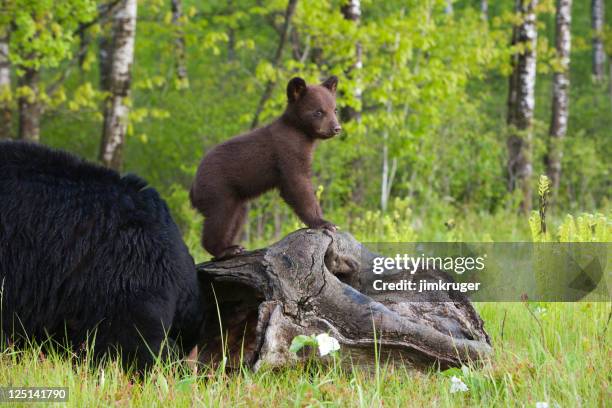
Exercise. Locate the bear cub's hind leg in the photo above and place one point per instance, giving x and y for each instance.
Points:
(221, 226)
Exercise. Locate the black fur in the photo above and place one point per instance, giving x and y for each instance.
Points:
(84, 249)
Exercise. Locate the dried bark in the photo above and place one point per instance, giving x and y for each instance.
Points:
(284, 34)
(597, 24)
(179, 40)
(560, 103)
(29, 106)
(521, 101)
(6, 113)
(315, 281)
(117, 107)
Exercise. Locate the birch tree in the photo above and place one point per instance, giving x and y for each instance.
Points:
(5, 88)
(117, 104)
(388, 173)
(484, 9)
(597, 24)
(560, 98)
(521, 101)
(449, 7)
(351, 11)
(179, 42)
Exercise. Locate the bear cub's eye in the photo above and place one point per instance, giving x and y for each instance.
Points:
(318, 113)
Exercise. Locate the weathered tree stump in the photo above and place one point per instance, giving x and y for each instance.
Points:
(315, 281)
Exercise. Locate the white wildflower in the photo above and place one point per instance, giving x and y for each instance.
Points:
(457, 385)
(541, 404)
(540, 311)
(327, 344)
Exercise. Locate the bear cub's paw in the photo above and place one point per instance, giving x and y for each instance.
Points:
(325, 225)
(229, 252)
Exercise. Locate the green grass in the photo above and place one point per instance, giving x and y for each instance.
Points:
(566, 361)
(557, 353)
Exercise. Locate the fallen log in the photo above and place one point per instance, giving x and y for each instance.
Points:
(316, 281)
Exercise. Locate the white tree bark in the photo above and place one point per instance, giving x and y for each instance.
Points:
(521, 102)
(179, 40)
(117, 106)
(388, 174)
(484, 9)
(561, 83)
(597, 23)
(449, 7)
(352, 11)
(5, 88)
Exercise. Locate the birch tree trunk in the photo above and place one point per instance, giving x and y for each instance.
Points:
(521, 102)
(597, 23)
(351, 11)
(179, 41)
(560, 102)
(484, 9)
(449, 7)
(388, 173)
(29, 106)
(117, 106)
(5, 88)
(276, 61)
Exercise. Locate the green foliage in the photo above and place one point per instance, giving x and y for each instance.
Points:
(432, 90)
(42, 32)
(301, 341)
(585, 228)
(394, 226)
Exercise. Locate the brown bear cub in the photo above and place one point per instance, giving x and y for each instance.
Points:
(278, 155)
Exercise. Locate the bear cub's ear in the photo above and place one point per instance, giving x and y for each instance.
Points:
(296, 88)
(331, 83)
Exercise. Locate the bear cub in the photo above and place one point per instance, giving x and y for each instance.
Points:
(278, 155)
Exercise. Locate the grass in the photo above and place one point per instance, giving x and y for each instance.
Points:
(557, 353)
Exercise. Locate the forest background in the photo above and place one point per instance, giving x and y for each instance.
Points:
(453, 111)
(446, 126)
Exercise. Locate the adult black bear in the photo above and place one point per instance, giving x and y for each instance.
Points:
(84, 250)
